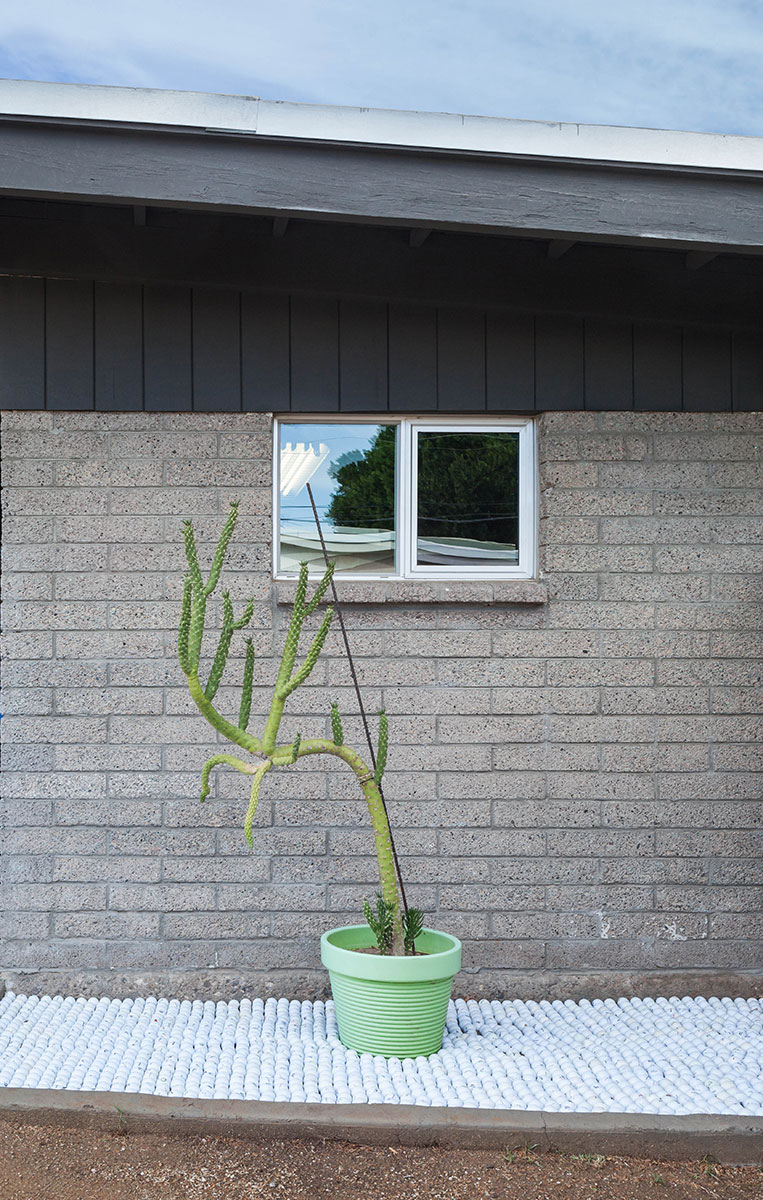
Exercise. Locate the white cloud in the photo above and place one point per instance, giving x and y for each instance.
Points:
(680, 64)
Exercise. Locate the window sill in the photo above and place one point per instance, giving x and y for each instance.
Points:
(413, 591)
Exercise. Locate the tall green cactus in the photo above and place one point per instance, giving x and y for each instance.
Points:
(266, 754)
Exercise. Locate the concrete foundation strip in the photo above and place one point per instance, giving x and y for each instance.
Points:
(729, 1139)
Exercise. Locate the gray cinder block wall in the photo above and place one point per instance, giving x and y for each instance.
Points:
(574, 767)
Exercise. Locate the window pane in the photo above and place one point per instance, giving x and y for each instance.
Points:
(351, 471)
(468, 499)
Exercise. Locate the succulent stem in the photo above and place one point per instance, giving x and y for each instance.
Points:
(270, 754)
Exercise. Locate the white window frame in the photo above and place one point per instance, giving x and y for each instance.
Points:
(406, 482)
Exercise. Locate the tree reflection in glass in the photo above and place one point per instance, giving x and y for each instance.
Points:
(468, 499)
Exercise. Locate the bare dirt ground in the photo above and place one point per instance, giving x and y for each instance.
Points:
(46, 1163)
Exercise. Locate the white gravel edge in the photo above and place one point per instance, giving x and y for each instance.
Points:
(674, 1056)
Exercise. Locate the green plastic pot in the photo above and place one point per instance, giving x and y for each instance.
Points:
(386, 1004)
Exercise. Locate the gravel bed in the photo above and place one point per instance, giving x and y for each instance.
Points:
(674, 1056)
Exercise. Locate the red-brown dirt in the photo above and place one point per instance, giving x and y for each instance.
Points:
(48, 1163)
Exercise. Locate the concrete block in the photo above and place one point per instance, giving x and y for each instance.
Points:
(563, 475)
(490, 898)
(243, 868)
(55, 897)
(216, 925)
(563, 586)
(489, 842)
(711, 503)
(163, 898)
(730, 447)
(598, 558)
(575, 531)
(596, 502)
(107, 869)
(709, 899)
(653, 871)
(436, 701)
(605, 843)
(34, 868)
(104, 473)
(107, 925)
(28, 586)
(275, 897)
(599, 785)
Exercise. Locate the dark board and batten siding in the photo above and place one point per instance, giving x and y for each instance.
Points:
(72, 344)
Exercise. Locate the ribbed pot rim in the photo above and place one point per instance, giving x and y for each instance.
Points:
(338, 955)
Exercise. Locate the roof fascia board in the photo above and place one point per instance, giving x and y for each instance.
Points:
(382, 127)
(141, 165)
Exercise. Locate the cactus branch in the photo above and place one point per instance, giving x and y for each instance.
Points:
(223, 646)
(254, 796)
(336, 724)
(291, 644)
(226, 633)
(196, 633)
(215, 761)
(246, 688)
(286, 683)
(312, 655)
(192, 557)
(381, 753)
(246, 617)
(184, 628)
(321, 590)
(222, 546)
(230, 731)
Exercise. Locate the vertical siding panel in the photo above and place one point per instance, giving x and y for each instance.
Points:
(216, 333)
(460, 360)
(657, 371)
(747, 372)
(412, 358)
(707, 370)
(118, 346)
(69, 343)
(362, 356)
(264, 353)
(314, 354)
(22, 343)
(559, 358)
(167, 348)
(608, 364)
(510, 368)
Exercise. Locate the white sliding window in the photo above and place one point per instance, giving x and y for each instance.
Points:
(406, 498)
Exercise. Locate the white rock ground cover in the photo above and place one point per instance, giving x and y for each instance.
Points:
(676, 1056)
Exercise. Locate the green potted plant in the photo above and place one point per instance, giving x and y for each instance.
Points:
(390, 978)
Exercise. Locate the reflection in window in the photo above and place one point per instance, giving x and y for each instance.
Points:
(468, 499)
(351, 472)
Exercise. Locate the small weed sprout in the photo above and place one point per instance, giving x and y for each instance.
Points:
(524, 1153)
(707, 1166)
(595, 1160)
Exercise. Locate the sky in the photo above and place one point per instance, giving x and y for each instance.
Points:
(669, 64)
